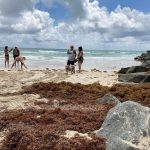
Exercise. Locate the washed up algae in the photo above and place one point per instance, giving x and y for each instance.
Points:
(43, 129)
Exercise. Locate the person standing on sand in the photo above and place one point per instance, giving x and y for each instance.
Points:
(80, 58)
(6, 52)
(71, 59)
(19, 59)
(16, 53)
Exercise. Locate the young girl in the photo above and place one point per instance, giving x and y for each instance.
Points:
(19, 59)
(80, 58)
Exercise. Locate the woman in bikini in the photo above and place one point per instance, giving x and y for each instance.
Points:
(6, 52)
(80, 58)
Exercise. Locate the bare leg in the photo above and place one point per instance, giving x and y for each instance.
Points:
(22, 64)
(72, 69)
(67, 69)
(5, 63)
(14, 64)
(79, 65)
(17, 64)
(8, 63)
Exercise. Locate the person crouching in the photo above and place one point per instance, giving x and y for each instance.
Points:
(21, 60)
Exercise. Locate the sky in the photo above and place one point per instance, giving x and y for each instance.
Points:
(93, 24)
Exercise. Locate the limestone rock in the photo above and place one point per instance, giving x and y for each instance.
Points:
(125, 125)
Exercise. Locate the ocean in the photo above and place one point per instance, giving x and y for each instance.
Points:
(104, 60)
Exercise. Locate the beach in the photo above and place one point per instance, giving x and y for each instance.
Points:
(48, 106)
(26, 77)
(13, 81)
(74, 75)
(62, 106)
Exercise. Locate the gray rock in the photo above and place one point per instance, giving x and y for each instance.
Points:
(125, 126)
(146, 63)
(143, 57)
(134, 77)
(131, 77)
(123, 70)
(107, 99)
(146, 79)
(135, 69)
(112, 143)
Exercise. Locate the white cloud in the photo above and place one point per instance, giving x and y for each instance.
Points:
(93, 25)
(32, 22)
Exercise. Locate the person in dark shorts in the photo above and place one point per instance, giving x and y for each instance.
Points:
(6, 52)
(16, 53)
(71, 59)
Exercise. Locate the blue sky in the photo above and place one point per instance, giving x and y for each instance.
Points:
(60, 12)
(57, 11)
(98, 24)
(142, 5)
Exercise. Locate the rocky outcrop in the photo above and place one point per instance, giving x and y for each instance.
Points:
(123, 70)
(107, 99)
(143, 57)
(126, 127)
(135, 69)
(146, 63)
(136, 74)
(134, 77)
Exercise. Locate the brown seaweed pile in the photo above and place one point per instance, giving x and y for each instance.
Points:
(41, 139)
(87, 94)
(139, 93)
(75, 93)
(43, 129)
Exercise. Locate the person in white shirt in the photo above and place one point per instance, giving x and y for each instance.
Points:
(71, 59)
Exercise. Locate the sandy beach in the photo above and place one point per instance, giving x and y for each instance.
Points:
(12, 82)
(59, 106)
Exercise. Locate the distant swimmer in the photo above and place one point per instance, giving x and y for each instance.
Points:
(6, 52)
(19, 59)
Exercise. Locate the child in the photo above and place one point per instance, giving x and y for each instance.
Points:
(21, 59)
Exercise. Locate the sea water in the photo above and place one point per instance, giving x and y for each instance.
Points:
(104, 60)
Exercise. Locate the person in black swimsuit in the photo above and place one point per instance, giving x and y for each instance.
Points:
(6, 52)
(16, 53)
